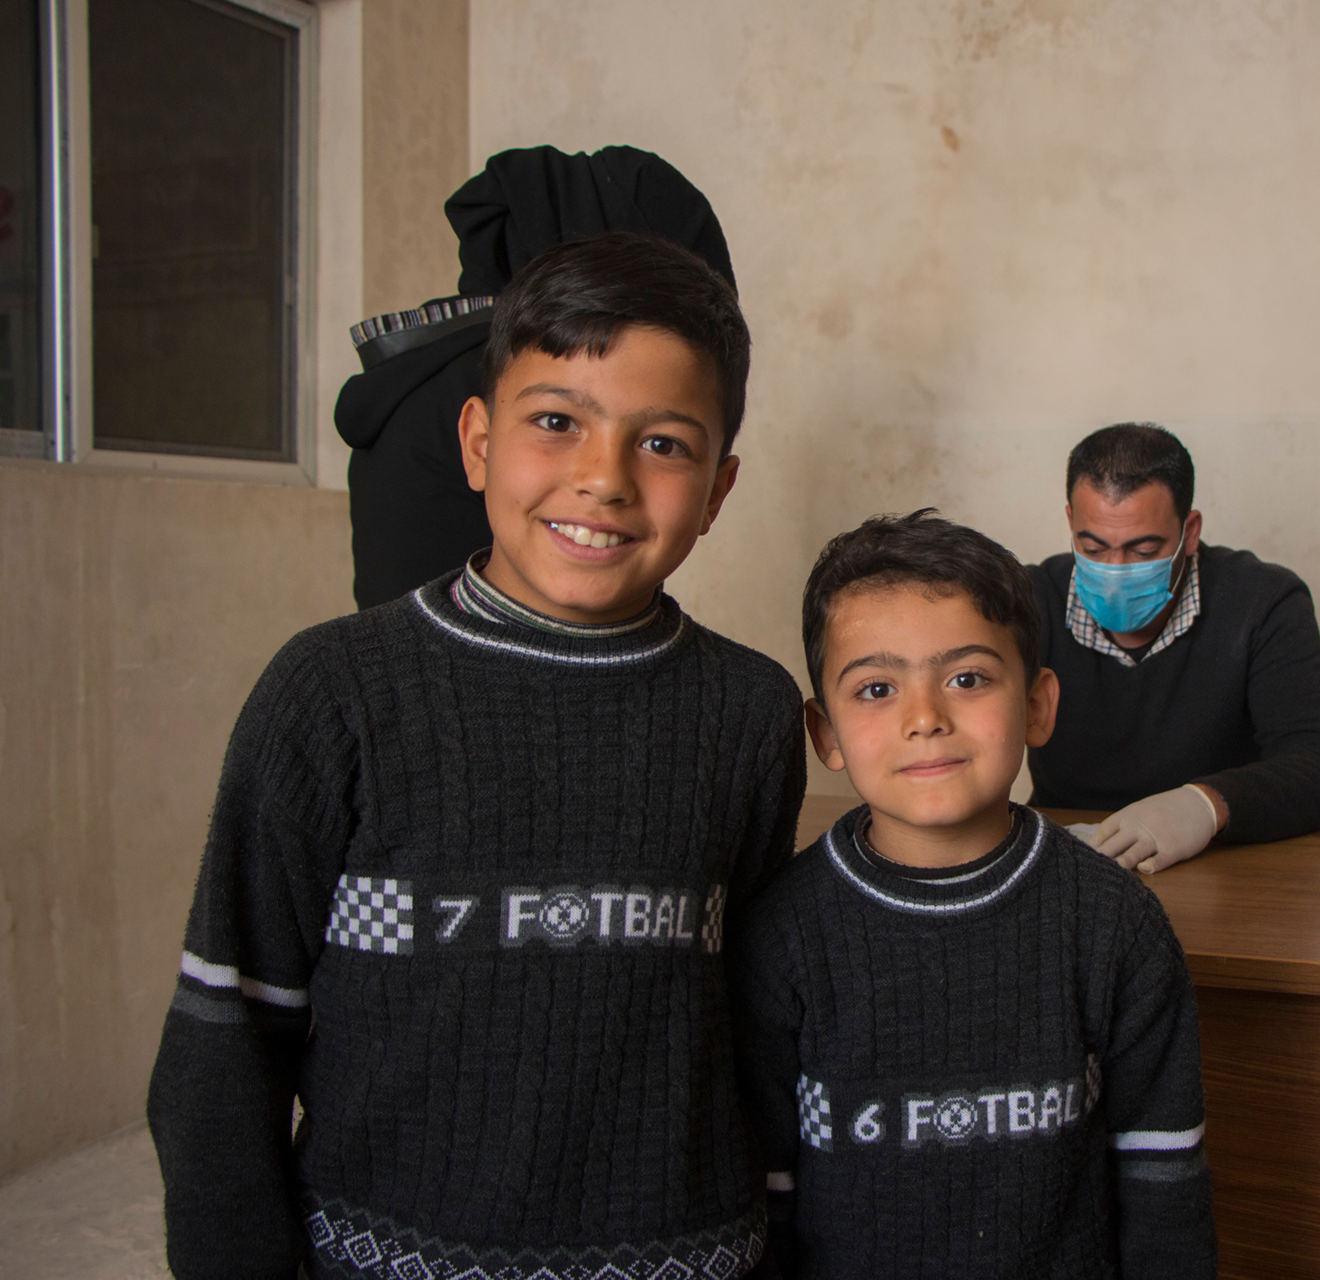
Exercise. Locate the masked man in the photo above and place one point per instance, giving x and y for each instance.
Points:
(1190, 674)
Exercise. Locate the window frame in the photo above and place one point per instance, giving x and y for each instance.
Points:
(67, 258)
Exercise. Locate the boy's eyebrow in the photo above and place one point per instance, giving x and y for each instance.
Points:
(644, 418)
(887, 661)
(572, 394)
(892, 661)
(641, 419)
(963, 651)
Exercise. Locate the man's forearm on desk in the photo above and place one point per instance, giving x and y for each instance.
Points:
(1271, 799)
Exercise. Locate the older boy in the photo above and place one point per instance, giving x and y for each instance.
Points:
(465, 884)
(949, 1007)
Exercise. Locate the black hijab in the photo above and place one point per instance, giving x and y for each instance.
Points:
(525, 201)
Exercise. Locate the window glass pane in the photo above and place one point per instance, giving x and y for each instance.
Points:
(20, 228)
(192, 164)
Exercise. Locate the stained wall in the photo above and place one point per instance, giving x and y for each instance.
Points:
(966, 234)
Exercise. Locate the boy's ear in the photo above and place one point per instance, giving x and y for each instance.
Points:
(725, 474)
(823, 737)
(1042, 707)
(473, 440)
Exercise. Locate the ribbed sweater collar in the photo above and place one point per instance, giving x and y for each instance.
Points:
(466, 606)
(977, 885)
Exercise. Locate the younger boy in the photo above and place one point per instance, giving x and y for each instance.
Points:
(466, 878)
(949, 1006)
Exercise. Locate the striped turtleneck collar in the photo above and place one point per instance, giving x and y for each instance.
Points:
(473, 594)
(932, 894)
(465, 605)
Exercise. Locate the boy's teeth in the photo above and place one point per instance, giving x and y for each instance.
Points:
(585, 537)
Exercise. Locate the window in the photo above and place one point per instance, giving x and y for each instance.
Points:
(20, 231)
(177, 260)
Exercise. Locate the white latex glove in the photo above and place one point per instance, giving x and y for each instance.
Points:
(1162, 829)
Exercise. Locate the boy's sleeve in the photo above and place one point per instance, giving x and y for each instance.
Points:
(1155, 1112)
(782, 781)
(221, 1096)
(767, 1022)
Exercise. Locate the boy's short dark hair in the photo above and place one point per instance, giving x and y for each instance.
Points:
(921, 550)
(576, 296)
(1119, 460)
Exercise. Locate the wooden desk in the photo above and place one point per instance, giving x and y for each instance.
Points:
(1248, 917)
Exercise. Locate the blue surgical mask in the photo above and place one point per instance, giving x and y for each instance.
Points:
(1125, 597)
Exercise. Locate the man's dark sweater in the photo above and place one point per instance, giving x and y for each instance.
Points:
(463, 894)
(942, 1058)
(1234, 703)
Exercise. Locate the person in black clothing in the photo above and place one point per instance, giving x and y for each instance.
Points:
(968, 1041)
(467, 879)
(1190, 674)
(414, 516)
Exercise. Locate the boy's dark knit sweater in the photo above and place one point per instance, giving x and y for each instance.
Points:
(1234, 703)
(987, 1072)
(464, 893)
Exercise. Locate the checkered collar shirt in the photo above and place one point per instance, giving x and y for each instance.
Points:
(1087, 631)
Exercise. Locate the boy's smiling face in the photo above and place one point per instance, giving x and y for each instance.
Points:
(600, 473)
(926, 706)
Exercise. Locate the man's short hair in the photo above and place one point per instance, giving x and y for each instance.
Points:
(575, 297)
(930, 553)
(1119, 460)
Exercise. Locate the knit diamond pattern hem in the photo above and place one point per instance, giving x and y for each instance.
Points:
(348, 1243)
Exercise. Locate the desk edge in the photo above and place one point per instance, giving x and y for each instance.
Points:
(1255, 973)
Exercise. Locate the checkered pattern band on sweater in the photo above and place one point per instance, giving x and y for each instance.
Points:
(351, 1243)
(814, 1120)
(1089, 633)
(432, 312)
(712, 930)
(372, 915)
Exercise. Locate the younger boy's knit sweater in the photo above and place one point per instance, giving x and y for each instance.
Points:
(464, 894)
(991, 1071)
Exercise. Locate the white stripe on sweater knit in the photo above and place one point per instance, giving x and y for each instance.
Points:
(935, 908)
(227, 975)
(546, 652)
(1157, 1139)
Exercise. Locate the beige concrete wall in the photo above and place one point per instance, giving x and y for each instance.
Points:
(392, 146)
(965, 235)
(414, 112)
(339, 212)
(137, 613)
